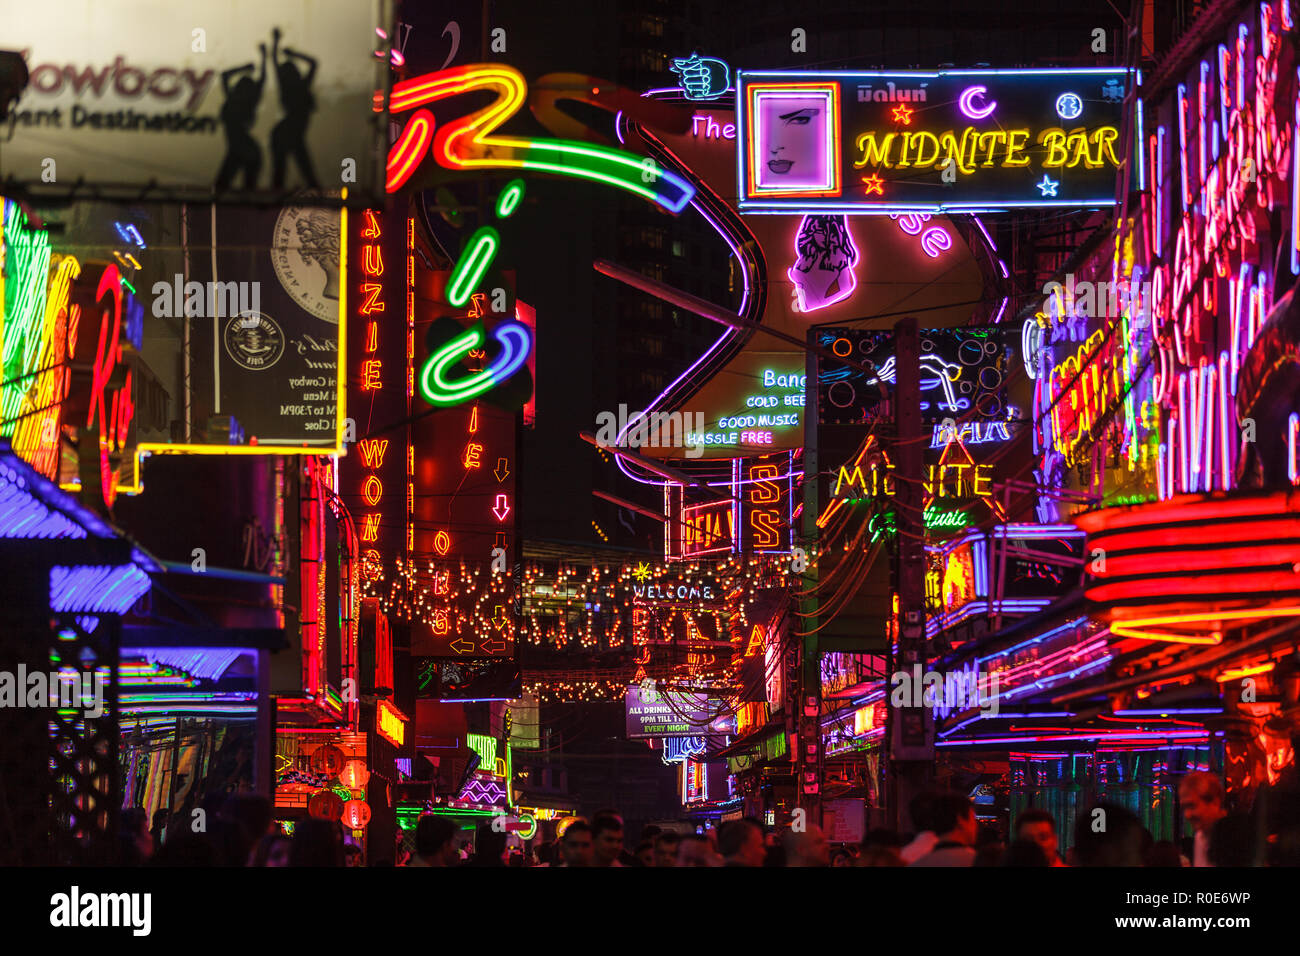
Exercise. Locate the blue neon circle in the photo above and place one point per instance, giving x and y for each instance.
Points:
(1069, 106)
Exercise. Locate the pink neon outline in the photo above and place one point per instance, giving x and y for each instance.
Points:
(1295, 190)
(1226, 424)
(1225, 96)
(853, 261)
(1183, 108)
(1292, 428)
(1203, 106)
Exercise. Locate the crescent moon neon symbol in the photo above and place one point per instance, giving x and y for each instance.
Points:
(967, 103)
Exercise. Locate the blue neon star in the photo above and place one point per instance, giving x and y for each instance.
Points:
(1048, 186)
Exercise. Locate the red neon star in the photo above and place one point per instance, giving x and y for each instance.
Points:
(903, 114)
(874, 184)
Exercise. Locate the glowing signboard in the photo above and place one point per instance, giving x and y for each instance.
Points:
(961, 140)
(390, 723)
(963, 375)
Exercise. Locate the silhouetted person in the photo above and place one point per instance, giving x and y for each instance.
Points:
(921, 809)
(952, 817)
(1040, 827)
(1113, 837)
(316, 843)
(289, 137)
(272, 850)
(136, 845)
(489, 847)
(1203, 802)
(237, 115)
(1232, 841)
(1162, 853)
(1024, 852)
(741, 843)
(434, 839)
(666, 844)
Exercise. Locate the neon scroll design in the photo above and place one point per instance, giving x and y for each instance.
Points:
(823, 272)
(471, 142)
(515, 342)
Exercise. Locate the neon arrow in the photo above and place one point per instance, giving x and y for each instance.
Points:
(502, 469)
(498, 617)
(462, 645)
(494, 647)
(502, 507)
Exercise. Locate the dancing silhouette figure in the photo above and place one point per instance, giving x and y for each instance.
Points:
(288, 138)
(237, 115)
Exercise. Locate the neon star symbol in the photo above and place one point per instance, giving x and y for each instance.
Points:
(903, 114)
(874, 184)
(1048, 186)
(642, 572)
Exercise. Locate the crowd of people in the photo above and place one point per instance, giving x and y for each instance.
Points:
(946, 832)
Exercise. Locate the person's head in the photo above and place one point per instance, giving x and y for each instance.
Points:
(1232, 841)
(606, 839)
(489, 846)
(1026, 851)
(272, 850)
(697, 850)
(953, 818)
(841, 858)
(1202, 798)
(645, 853)
(921, 809)
(741, 843)
(879, 855)
(1106, 834)
(666, 844)
(434, 840)
(649, 832)
(823, 270)
(576, 844)
(1040, 827)
(1162, 853)
(316, 843)
(807, 847)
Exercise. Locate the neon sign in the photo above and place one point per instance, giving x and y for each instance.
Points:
(515, 341)
(831, 142)
(390, 723)
(472, 142)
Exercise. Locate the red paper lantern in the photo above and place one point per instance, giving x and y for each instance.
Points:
(356, 814)
(354, 774)
(325, 805)
(328, 760)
